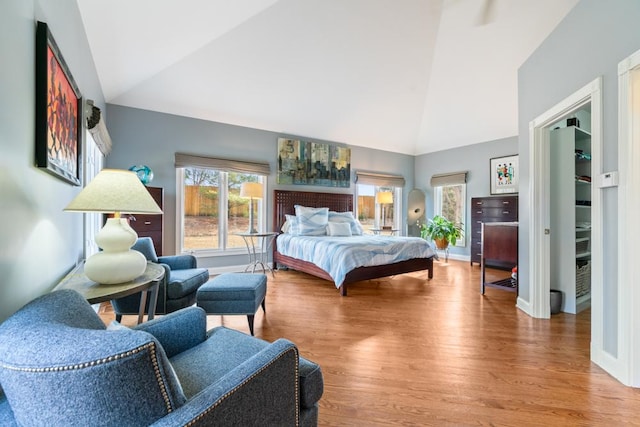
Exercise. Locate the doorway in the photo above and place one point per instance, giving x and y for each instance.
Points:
(539, 198)
(625, 364)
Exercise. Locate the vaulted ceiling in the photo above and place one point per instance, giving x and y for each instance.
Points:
(407, 76)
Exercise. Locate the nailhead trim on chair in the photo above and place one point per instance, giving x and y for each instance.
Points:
(151, 347)
(209, 409)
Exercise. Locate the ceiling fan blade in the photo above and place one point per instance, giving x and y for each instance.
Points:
(487, 13)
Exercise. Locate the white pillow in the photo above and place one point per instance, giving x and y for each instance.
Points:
(356, 228)
(290, 226)
(339, 229)
(312, 221)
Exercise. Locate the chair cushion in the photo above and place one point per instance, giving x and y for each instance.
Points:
(129, 368)
(184, 282)
(200, 366)
(233, 293)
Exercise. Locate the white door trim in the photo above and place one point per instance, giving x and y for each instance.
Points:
(628, 363)
(539, 258)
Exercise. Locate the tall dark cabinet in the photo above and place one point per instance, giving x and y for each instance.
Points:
(489, 209)
(151, 225)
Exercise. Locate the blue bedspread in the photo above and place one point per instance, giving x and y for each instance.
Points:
(339, 255)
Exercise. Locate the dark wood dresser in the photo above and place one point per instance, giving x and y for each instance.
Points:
(151, 225)
(489, 209)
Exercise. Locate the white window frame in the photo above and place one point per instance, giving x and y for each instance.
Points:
(397, 207)
(260, 216)
(437, 209)
(93, 221)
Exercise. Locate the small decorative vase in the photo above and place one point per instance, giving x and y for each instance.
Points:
(145, 174)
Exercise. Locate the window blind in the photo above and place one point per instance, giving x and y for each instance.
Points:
(380, 180)
(452, 178)
(228, 165)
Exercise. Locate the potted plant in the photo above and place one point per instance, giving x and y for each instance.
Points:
(442, 231)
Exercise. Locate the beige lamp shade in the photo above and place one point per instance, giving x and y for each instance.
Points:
(251, 190)
(384, 197)
(115, 191)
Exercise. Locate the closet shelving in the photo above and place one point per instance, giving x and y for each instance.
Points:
(570, 185)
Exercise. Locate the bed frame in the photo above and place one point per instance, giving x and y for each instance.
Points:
(284, 202)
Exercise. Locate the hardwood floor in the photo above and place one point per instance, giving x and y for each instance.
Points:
(413, 352)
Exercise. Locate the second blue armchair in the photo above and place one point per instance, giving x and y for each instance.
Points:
(177, 290)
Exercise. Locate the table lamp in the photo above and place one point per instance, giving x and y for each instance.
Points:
(251, 190)
(115, 192)
(384, 198)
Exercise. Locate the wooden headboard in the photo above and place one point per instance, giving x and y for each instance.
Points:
(284, 202)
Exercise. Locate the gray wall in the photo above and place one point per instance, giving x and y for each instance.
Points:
(472, 158)
(152, 138)
(589, 42)
(39, 242)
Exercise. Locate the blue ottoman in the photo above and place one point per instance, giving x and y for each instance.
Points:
(234, 293)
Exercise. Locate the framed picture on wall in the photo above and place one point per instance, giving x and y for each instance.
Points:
(58, 111)
(504, 174)
(313, 163)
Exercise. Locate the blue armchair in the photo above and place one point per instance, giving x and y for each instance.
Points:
(177, 290)
(59, 365)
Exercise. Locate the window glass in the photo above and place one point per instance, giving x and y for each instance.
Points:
(206, 193)
(374, 215)
(450, 202)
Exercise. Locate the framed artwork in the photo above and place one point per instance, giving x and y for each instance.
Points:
(58, 111)
(313, 163)
(504, 173)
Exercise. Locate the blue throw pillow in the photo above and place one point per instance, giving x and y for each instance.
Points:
(312, 221)
(356, 227)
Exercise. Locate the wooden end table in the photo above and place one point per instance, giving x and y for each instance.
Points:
(96, 293)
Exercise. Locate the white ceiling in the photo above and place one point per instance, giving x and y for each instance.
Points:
(407, 76)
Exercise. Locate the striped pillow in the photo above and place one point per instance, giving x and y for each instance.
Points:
(312, 221)
(290, 226)
(356, 227)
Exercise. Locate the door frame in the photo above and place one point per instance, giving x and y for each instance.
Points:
(626, 367)
(539, 239)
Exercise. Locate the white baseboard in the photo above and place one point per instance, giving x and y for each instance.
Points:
(214, 271)
(524, 306)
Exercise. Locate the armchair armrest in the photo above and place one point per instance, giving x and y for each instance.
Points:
(261, 391)
(178, 331)
(179, 262)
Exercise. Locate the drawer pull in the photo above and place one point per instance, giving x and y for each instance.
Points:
(147, 223)
(505, 202)
(506, 212)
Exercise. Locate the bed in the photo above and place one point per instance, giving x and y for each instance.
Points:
(284, 204)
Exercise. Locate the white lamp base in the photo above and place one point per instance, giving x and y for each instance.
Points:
(117, 263)
(109, 268)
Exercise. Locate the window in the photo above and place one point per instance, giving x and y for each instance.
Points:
(450, 203)
(375, 209)
(211, 209)
(93, 221)
(373, 214)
